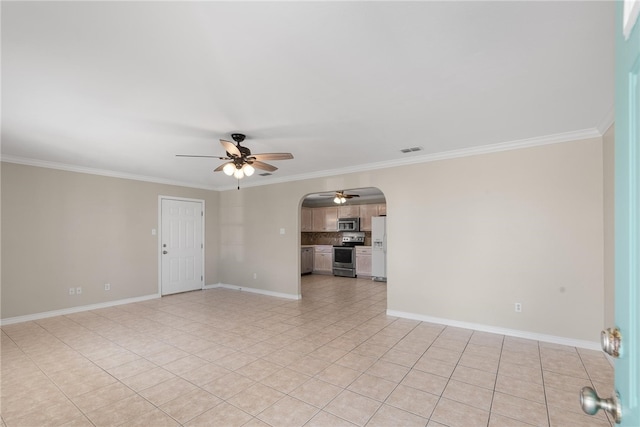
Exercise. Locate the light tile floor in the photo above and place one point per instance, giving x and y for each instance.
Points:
(334, 358)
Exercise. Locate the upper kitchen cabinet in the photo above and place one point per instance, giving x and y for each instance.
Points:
(368, 211)
(350, 211)
(306, 220)
(325, 219)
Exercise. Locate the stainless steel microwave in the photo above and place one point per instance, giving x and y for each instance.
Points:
(349, 224)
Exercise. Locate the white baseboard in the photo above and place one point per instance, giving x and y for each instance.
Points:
(255, 291)
(71, 310)
(64, 311)
(497, 330)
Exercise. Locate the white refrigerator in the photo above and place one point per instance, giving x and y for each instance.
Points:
(379, 248)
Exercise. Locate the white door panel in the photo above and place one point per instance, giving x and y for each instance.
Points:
(181, 246)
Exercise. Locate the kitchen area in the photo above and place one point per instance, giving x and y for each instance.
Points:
(343, 233)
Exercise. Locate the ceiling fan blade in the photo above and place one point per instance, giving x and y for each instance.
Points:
(272, 156)
(230, 148)
(196, 155)
(219, 168)
(264, 166)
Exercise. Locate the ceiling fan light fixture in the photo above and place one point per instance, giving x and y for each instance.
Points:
(240, 161)
(229, 169)
(248, 169)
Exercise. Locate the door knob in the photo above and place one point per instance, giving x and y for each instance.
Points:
(165, 252)
(610, 339)
(592, 403)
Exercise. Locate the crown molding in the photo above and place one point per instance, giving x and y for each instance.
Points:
(607, 121)
(433, 157)
(101, 172)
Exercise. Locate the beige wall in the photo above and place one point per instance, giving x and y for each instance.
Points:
(609, 230)
(63, 229)
(468, 237)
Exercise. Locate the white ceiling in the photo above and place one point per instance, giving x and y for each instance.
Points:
(122, 87)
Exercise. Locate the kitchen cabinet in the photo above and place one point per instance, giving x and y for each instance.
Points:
(323, 259)
(325, 219)
(368, 211)
(306, 219)
(363, 260)
(306, 260)
(350, 211)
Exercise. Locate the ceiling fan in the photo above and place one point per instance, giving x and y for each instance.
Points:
(340, 197)
(240, 160)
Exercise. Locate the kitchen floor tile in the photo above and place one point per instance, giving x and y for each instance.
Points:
(391, 416)
(190, 405)
(288, 411)
(223, 414)
(316, 392)
(455, 414)
(325, 419)
(468, 394)
(412, 400)
(334, 358)
(256, 398)
(374, 387)
(353, 407)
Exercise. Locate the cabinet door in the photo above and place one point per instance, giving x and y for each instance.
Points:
(331, 219)
(318, 219)
(382, 209)
(306, 262)
(363, 261)
(323, 262)
(363, 265)
(306, 220)
(366, 212)
(351, 211)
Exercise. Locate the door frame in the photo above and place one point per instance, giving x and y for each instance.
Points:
(159, 239)
(627, 209)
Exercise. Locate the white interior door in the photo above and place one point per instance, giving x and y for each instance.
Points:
(181, 246)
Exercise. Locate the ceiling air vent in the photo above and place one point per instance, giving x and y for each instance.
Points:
(411, 150)
(265, 174)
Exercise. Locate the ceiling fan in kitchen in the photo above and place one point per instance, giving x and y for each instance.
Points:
(340, 197)
(240, 161)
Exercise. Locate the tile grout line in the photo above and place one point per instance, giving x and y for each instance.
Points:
(495, 383)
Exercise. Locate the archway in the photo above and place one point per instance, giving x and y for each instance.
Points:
(321, 230)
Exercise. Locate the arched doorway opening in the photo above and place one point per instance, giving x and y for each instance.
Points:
(341, 238)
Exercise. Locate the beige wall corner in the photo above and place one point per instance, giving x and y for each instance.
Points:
(66, 229)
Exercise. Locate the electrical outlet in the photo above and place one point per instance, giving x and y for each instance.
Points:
(255, 276)
(78, 290)
(72, 291)
(107, 286)
(518, 307)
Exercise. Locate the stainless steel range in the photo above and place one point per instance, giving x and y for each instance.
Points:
(344, 255)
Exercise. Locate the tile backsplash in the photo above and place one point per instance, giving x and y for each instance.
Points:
(324, 238)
